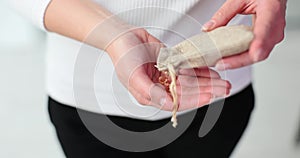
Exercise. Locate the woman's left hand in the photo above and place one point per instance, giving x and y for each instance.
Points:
(269, 24)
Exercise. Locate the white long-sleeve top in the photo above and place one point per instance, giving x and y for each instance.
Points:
(69, 61)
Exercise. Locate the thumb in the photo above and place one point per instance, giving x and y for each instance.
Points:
(227, 11)
(148, 93)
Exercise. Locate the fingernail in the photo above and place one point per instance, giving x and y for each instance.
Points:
(227, 93)
(207, 26)
(229, 85)
(256, 56)
(222, 66)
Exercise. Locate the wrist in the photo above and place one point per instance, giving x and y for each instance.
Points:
(105, 32)
(122, 43)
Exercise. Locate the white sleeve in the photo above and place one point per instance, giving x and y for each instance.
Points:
(34, 10)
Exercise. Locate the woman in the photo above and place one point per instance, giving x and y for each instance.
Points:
(125, 36)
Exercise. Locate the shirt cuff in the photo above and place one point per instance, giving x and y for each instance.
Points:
(34, 10)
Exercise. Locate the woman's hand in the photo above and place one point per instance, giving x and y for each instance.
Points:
(269, 24)
(134, 55)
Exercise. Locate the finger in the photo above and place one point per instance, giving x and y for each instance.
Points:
(259, 47)
(235, 61)
(227, 11)
(160, 98)
(217, 91)
(191, 81)
(194, 101)
(268, 30)
(149, 93)
(200, 72)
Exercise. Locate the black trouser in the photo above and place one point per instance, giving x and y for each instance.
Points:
(77, 141)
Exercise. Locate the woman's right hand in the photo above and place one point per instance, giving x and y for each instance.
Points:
(134, 54)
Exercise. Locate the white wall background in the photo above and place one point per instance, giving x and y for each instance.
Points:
(26, 131)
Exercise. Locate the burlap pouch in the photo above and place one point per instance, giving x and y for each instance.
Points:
(206, 48)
